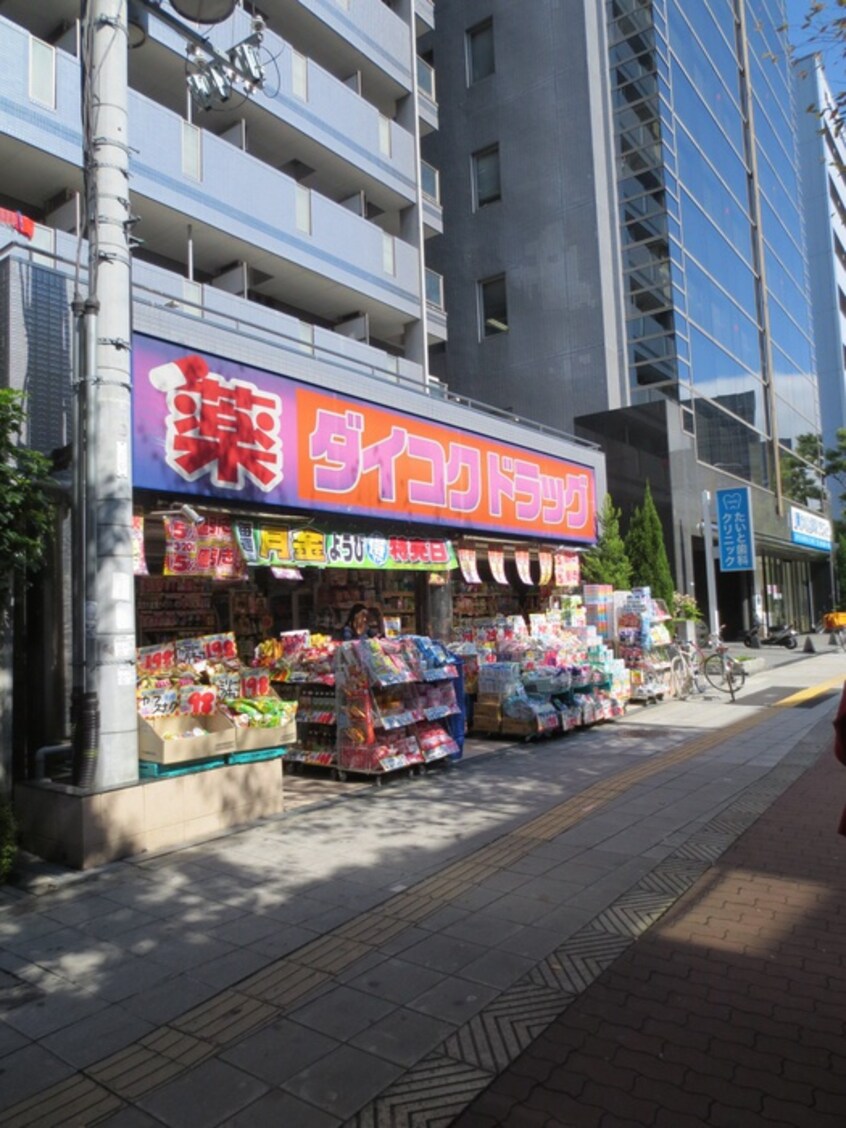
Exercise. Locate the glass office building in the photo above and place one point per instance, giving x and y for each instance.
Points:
(646, 237)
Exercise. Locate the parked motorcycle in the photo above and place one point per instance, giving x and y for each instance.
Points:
(779, 636)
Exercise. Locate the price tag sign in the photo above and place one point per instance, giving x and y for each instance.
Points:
(157, 703)
(155, 660)
(255, 683)
(227, 684)
(197, 700)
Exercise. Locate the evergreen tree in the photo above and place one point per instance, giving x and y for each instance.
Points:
(647, 552)
(606, 562)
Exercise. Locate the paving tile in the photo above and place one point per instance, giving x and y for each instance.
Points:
(208, 1095)
(396, 980)
(342, 1012)
(229, 968)
(28, 1071)
(519, 909)
(53, 1011)
(172, 997)
(443, 953)
(344, 1081)
(281, 1110)
(279, 1051)
(90, 1039)
(454, 999)
(498, 968)
(404, 1036)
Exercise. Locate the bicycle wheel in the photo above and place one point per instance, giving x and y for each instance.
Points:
(735, 675)
(680, 678)
(716, 671)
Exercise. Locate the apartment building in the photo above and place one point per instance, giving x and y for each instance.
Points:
(277, 224)
(624, 255)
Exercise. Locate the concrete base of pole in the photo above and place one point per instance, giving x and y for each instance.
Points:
(809, 647)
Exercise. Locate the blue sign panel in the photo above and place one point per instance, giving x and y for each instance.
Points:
(809, 529)
(734, 526)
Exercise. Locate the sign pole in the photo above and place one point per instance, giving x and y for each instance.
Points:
(710, 574)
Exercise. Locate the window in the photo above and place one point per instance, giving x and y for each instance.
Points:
(493, 306)
(480, 52)
(486, 188)
(42, 72)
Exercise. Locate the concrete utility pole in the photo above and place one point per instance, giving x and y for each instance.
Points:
(110, 594)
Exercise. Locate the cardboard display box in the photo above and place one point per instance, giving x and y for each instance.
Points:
(512, 726)
(249, 737)
(219, 738)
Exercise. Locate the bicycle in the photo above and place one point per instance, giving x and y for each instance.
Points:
(722, 671)
(686, 669)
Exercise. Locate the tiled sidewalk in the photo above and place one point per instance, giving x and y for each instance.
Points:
(378, 962)
(730, 1011)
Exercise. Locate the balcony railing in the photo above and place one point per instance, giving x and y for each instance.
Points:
(434, 289)
(430, 181)
(426, 79)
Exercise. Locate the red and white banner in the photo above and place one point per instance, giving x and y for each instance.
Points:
(496, 559)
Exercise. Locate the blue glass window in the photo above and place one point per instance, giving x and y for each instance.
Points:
(721, 377)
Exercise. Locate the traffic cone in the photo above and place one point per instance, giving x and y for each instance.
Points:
(833, 640)
(809, 647)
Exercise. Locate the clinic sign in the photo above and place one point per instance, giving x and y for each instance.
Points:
(809, 529)
(734, 529)
(210, 427)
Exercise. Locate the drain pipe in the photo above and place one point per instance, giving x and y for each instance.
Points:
(86, 733)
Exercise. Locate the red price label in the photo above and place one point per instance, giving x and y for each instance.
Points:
(255, 684)
(154, 660)
(220, 648)
(198, 701)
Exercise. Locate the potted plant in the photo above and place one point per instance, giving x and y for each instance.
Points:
(686, 614)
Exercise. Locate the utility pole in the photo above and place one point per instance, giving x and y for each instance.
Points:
(107, 747)
(710, 571)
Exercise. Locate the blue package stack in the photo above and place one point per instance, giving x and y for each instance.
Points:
(456, 724)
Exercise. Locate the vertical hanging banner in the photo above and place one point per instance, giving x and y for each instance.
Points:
(207, 549)
(496, 559)
(545, 562)
(567, 572)
(734, 529)
(524, 566)
(139, 560)
(468, 565)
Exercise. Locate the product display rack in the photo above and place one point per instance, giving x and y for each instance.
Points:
(173, 606)
(395, 699)
(316, 722)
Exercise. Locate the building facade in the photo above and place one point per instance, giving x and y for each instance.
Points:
(277, 231)
(624, 254)
(823, 160)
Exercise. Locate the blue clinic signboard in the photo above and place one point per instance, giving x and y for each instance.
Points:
(810, 529)
(734, 526)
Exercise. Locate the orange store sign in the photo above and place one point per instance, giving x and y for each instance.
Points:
(210, 427)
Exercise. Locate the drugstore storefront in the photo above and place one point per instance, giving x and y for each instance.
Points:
(265, 503)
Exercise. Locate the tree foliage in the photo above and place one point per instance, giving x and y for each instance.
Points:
(835, 463)
(802, 470)
(647, 552)
(606, 562)
(26, 514)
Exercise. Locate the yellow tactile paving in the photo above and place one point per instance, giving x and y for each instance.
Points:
(76, 1101)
